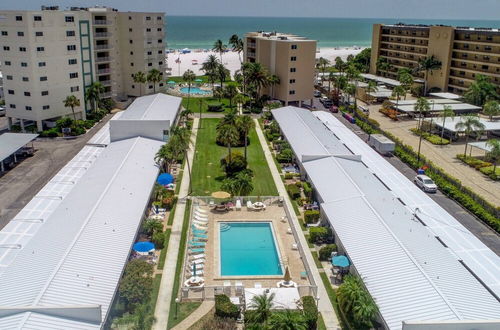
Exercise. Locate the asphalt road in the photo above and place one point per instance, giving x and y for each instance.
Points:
(19, 185)
(488, 236)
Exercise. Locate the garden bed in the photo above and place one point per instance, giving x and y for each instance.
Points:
(432, 138)
(484, 167)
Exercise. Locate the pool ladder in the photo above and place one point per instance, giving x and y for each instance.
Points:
(225, 227)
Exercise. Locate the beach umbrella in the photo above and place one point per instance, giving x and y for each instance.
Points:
(221, 194)
(199, 80)
(165, 179)
(194, 269)
(144, 247)
(287, 278)
(171, 82)
(340, 261)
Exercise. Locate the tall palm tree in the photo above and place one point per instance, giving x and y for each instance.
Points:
(230, 91)
(93, 94)
(494, 153)
(272, 81)
(481, 90)
(72, 101)
(189, 77)
(220, 48)
(340, 65)
(239, 99)
(261, 306)
(236, 44)
(428, 65)
(422, 107)
(228, 135)
(223, 73)
(154, 76)
(140, 78)
(371, 87)
(183, 136)
(397, 92)
(447, 112)
(287, 320)
(383, 65)
(491, 108)
(322, 65)
(245, 124)
(210, 68)
(244, 71)
(257, 77)
(469, 125)
(406, 80)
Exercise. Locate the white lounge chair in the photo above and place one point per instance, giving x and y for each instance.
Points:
(257, 285)
(295, 246)
(201, 224)
(198, 272)
(249, 205)
(200, 210)
(198, 261)
(200, 219)
(194, 252)
(197, 256)
(238, 205)
(198, 267)
(201, 215)
(200, 227)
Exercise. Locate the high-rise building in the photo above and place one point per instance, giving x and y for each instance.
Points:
(290, 57)
(464, 52)
(49, 54)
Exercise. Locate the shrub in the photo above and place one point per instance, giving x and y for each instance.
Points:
(225, 308)
(169, 202)
(319, 234)
(432, 138)
(293, 191)
(52, 132)
(237, 164)
(215, 107)
(311, 216)
(310, 311)
(64, 123)
(285, 156)
(307, 189)
(291, 175)
(158, 239)
(256, 110)
(326, 251)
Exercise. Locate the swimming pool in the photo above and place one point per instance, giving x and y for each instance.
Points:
(195, 91)
(248, 248)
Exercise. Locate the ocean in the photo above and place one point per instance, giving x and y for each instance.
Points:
(201, 32)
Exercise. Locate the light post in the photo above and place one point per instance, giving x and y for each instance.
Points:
(177, 300)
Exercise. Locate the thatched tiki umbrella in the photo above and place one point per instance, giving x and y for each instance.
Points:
(287, 278)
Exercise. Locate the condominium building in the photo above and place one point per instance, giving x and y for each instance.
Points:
(464, 52)
(290, 57)
(49, 54)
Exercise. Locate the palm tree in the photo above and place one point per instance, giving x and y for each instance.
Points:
(220, 48)
(93, 94)
(257, 77)
(181, 143)
(273, 80)
(244, 71)
(223, 74)
(189, 77)
(340, 65)
(397, 92)
(348, 293)
(422, 107)
(447, 112)
(371, 87)
(228, 135)
(239, 99)
(287, 320)
(261, 306)
(236, 44)
(230, 91)
(154, 76)
(365, 311)
(469, 125)
(427, 65)
(72, 101)
(140, 78)
(210, 67)
(151, 225)
(494, 153)
(322, 66)
(491, 108)
(239, 185)
(245, 124)
(383, 65)
(406, 80)
(481, 90)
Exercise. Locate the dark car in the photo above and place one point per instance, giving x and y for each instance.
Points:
(317, 93)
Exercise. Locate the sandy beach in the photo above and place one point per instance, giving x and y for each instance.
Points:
(231, 59)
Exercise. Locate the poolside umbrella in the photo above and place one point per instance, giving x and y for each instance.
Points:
(171, 82)
(287, 278)
(194, 269)
(340, 261)
(221, 194)
(165, 179)
(144, 247)
(198, 80)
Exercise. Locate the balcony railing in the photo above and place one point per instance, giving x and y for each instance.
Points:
(102, 35)
(102, 47)
(104, 71)
(101, 22)
(105, 82)
(103, 59)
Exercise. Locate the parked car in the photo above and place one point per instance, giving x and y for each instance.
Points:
(334, 109)
(425, 183)
(323, 99)
(364, 109)
(328, 104)
(317, 93)
(3, 112)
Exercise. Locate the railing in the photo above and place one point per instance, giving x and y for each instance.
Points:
(105, 82)
(103, 59)
(102, 47)
(101, 22)
(102, 34)
(104, 95)
(102, 71)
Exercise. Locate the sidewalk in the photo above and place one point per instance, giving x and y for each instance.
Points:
(167, 280)
(325, 307)
(205, 307)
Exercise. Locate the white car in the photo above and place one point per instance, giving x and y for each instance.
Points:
(425, 183)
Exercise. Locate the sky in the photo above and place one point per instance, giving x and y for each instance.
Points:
(430, 9)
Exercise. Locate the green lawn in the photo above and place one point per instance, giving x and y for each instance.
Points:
(194, 104)
(207, 173)
(179, 79)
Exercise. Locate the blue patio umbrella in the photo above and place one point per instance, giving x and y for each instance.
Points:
(199, 80)
(171, 82)
(144, 247)
(340, 261)
(165, 179)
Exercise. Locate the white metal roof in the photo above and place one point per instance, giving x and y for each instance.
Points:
(449, 124)
(153, 107)
(78, 254)
(11, 142)
(449, 96)
(435, 101)
(102, 137)
(481, 145)
(381, 92)
(440, 107)
(387, 81)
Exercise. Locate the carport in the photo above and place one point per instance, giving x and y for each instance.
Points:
(10, 143)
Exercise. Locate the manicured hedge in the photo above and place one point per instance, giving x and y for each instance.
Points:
(319, 234)
(326, 251)
(225, 308)
(293, 191)
(432, 138)
(311, 216)
(310, 311)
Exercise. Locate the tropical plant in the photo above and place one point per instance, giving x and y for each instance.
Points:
(189, 77)
(136, 283)
(383, 65)
(223, 73)
(151, 225)
(322, 65)
(340, 65)
(220, 48)
(93, 94)
(447, 112)
(397, 92)
(371, 87)
(491, 108)
(210, 67)
(428, 65)
(356, 302)
(287, 320)
(142, 319)
(240, 99)
(72, 101)
(406, 81)
(272, 81)
(236, 44)
(481, 90)
(245, 124)
(228, 135)
(260, 306)
(238, 185)
(140, 78)
(154, 76)
(257, 77)
(494, 153)
(230, 91)
(421, 107)
(469, 125)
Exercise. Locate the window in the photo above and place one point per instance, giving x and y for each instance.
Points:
(73, 75)
(26, 79)
(294, 47)
(160, 51)
(5, 33)
(28, 108)
(159, 29)
(38, 34)
(133, 86)
(130, 30)
(150, 86)
(11, 92)
(20, 34)
(131, 53)
(160, 41)
(72, 61)
(70, 33)
(131, 41)
(293, 70)
(7, 48)
(22, 49)
(8, 63)
(19, 18)
(158, 18)
(132, 64)
(37, 18)
(148, 18)
(71, 47)
(160, 64)
(150, 53)
(27, 94)
(292, 81)
(74, 89)
(69, 19)
(292, 92)
(150, 64)
(40, 64)
(148, 30)
(40, 49)
(46, 107)
(130, 18)
(12, 106)
(293, 58)
(24, 64)
(45, 93)
(44, 78)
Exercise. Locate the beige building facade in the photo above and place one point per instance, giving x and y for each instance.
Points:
(291, 58)
(464, 53)
(49, 54)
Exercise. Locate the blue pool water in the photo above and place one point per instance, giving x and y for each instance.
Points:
(248, 248)
(194, 90)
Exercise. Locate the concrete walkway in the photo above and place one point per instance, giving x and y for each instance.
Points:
(205, 307)
(167, 280)
(325, 307)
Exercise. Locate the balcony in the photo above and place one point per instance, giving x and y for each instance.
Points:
(101, 47)
(251, 44)
(102, 22)
(103, 59)
(102, 35)
(104, 71)
(106, 95)
(250, 54)
(105, 82)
